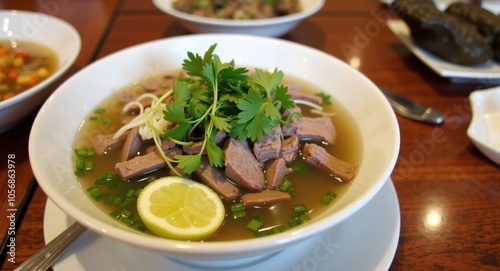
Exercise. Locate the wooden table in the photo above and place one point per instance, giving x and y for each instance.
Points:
(449, 193)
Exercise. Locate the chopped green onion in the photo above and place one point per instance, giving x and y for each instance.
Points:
(127, 202)
(89, 165)
(328, 197)
(95, 192)
(115, 214)
(130, 192)
(106, 120)
(93, 118)
(108, 179)
(79, 173)
(238, 210)
(300, 168)
(80, 164)
(84, 152)
(331, 194)
(326, 97)
(239, 214)
(254, 225)
(117, 201)
(294, 222)
(137, 192)
(109, 199)
(286, 185)
(125, 213)
(304, 218)
(237, 207)
(299, 208)
(100, 110)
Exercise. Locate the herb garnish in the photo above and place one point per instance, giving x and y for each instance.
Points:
(220, 97)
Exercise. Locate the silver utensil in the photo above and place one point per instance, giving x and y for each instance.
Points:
(46, 256)
(412, 109)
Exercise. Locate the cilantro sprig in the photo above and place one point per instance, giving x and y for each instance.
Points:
(221, 97)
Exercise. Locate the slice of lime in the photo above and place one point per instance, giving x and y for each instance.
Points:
(179, 208)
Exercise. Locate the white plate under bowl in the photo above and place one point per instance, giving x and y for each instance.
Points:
(487, 73)
(47, 30)
(270, 27)
(373, 232)
(484, 129)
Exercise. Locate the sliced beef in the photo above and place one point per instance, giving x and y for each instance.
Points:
(292, 127)
(132, 144)
(144, 163)
(299, 95)
(319, 129)
(195, 148)
(276, 171)
(269, 146)
(127, 96)
(105, 142)
(214, 178)
(241, 165)
(165, 146)
(317, 156)
(155, 84)
(264, 198)
(289, 148)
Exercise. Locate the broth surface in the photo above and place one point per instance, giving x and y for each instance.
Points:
(309, 187)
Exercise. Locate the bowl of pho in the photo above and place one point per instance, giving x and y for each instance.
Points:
(214, 146)
(35, 50)
(263, 18)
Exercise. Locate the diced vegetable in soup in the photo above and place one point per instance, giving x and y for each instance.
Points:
(271, 146)
(23, 65)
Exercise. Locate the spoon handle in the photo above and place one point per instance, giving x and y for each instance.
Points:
(412, 109)
(46, 256)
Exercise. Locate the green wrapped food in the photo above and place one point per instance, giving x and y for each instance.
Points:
(487, 23)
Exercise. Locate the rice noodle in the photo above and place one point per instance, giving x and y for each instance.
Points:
(149, 120)
(317, 109)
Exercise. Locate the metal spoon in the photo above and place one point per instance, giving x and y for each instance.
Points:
(412, 109)
(46, 256)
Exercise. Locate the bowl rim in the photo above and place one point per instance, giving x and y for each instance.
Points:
(230, 248)
(63, 67)
(166, 6)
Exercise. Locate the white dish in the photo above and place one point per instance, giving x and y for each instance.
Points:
(486, 73)
(44, 29)
(372, 232)
(272, 27)
(484, 129)
(491, 5)
(50, 148)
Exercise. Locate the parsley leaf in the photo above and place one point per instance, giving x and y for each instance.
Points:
(220, 97)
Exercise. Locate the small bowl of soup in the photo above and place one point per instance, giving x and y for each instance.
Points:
(289, 140)
(263, 18)
(35, 50)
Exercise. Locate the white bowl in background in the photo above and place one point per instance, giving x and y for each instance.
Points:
(47, 30)
(484, 128)
(271, 27)
(55, 127)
